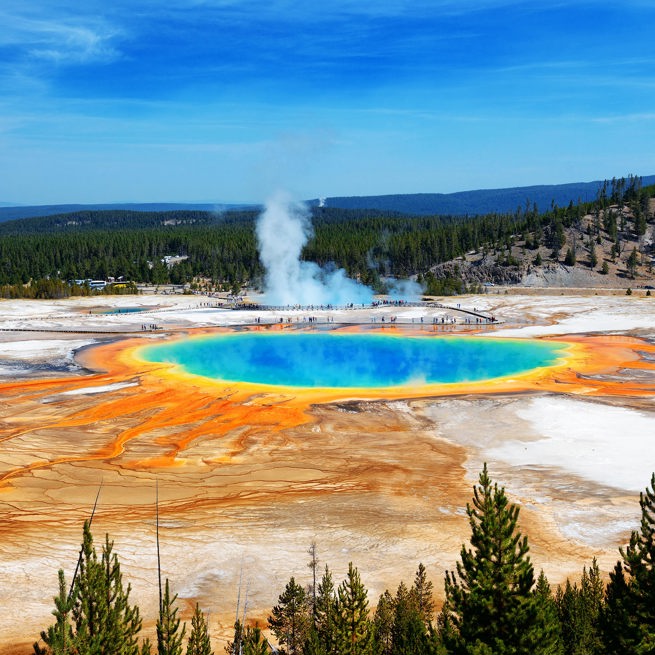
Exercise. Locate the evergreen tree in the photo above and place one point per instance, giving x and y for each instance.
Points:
(313, 644)
(547, 612)
(489, 604)
(326, 611)
(567, 612)
(632, 262)
(408, 633)
(570, 258)
(630, 597)
(289, 619)
(58, 638)
(579, 610)
(105, 622)
(640, 221)
(620, 632)
(254, 642)
(235, 647)
(169, 636)
(383, 621)
(592, 591)
(446, 630)
(423, 594)
(199, 642)
(557, 238)
(593, 257)
(354, 631)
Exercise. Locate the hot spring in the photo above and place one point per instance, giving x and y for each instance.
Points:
(336, 360)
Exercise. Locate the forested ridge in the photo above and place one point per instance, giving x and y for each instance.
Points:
(474, 202)
(495, 603)
(220, 250)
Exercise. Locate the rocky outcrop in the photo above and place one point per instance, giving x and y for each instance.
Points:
(558, 275)
(480, 271)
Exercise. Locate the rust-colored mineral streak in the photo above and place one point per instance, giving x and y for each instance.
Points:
(249, 476)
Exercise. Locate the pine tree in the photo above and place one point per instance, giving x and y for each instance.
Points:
(423, 595)
(629, 620)
(579, 611)
(58, 638)
(254, 642)
(383, 621)
(547, 612)
(620, 631)
(570, 258)
(592, 591)
(593, 257)
(313, 644)
(199, 642)
(169, 636)
(409, 632)
(640, 221)
(445, 629)
(235, 646)
(105, 622)
(326, 613)
(567, 610)
(289, 619)
(632, 262)
(489, 604)
(353, 628)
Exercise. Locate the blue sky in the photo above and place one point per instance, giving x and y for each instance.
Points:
(229, 100)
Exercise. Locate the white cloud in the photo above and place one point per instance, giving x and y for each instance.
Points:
(61, 38)
(622, 118)
(69, 43)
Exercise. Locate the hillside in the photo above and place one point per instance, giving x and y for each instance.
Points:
(598, 251)
(12, 212)
(121, 219)
(607, 242)
(481, 201)
(461, 203)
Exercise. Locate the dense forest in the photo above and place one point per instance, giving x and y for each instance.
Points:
(218, 251)
(473, 203)
(494, 604)
(461, 203)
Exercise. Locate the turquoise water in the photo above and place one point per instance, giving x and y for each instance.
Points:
(126, 310)
(353, 360)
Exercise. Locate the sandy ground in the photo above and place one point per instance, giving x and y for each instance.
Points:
(247, 481)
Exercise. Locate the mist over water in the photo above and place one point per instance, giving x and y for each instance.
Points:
(283, 229)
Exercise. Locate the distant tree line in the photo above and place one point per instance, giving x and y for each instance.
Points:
(55, 288)
(494, 604)
(369, 245)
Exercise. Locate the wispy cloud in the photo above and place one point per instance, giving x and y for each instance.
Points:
(61, 38)
(362, 90)
(638, 117)
(75, 44)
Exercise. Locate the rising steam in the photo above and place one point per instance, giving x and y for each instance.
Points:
(407, 290)
(282, 231)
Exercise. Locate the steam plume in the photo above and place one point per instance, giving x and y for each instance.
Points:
(282, 231)
(407, 290)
